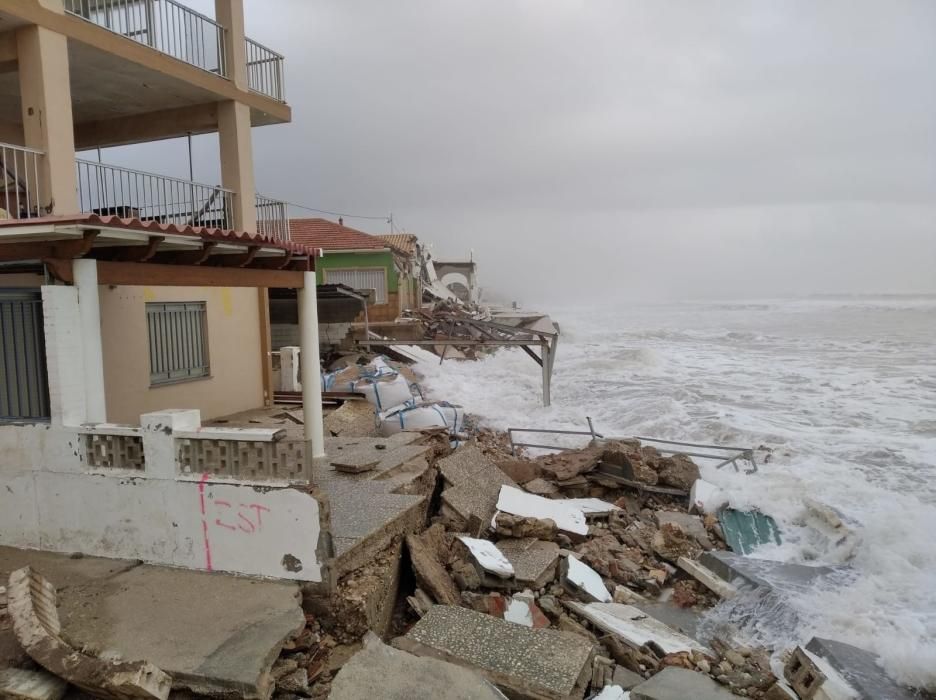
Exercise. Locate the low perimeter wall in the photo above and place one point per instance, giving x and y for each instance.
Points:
(152, 492)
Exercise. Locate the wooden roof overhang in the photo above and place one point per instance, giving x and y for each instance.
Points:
(132, 252)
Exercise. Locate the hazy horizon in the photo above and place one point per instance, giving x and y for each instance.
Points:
(624, 150)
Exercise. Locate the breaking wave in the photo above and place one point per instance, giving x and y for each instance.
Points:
(838, 394)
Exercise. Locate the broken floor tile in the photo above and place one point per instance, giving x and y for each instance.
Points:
(534, 563)
(680, 684)
(20, 684)
(531, 663)
(473, 484)
(635, 627)
(585, 580)
(745, 531)
(380, 671)
(488, 557)
(516, 502)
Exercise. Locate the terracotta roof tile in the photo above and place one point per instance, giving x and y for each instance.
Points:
(404, 243)
(157, 228)
(329, 235)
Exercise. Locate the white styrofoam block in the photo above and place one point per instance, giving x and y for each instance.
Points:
(581, 575)
(488, 556)
(516, 502)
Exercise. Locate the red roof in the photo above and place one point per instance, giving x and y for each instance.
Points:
(156, 228)
(329, 235)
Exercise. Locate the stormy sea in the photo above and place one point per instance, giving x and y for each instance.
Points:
(838, 394)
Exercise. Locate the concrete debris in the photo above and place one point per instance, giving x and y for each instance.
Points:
(680, 684)
(488, 557)
(516, 526)
(540, 664)
(692, 525)
(780, 691)
(671, 542)
(473, 484)
(355, 464)
(705, 497)
(707, 578)
(787, 578)
(534, 563)
(584, 581)
(429, 569)
(380, 671)
(562, 466)
(541, 487)
(602, 670)
(20, 684)
(860, 670)
(521, 471)
(32, 607)
(813, 678)
(516, 502)
(635, 628)
(625, 678)
(839, 539)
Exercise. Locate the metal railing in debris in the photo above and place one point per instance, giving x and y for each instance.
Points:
(722, 454)
(265, 71)
(165, 25)
(272, 218)
(113, 190)
(21, 195)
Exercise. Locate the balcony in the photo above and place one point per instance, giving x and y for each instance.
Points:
(186, 35)
(130, 194)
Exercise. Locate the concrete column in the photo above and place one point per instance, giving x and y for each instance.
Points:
(237, 171)
(311, 367)
(89, 312)
(45, 92)
(230, 15)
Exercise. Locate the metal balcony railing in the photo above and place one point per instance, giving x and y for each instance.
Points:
(272, 218)
(164, 25)
(21, 195)
(265, 71)
(112, 190)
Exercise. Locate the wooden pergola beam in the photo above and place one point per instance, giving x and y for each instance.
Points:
(156, 275)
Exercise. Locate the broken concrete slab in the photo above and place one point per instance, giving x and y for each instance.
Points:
(625, 678)
(680, 684)
(517, 502)
(32, 606)
(860, 670)
(352, 419)
(691, 524)
(584, 581)
(430, 572)
(488, 557)
(473, 484)
(790, 578)
(226, 631)
(635, 627)
(707, 578)
(380, 671)
(745, 531)
(20, 684)
(534, 563)
(355, 463)
(528, 663)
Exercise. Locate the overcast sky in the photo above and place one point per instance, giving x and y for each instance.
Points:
(640, 150)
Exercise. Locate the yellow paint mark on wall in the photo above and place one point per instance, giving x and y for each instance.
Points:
(148, 294)
(227, 301)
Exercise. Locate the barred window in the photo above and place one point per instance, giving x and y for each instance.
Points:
(178, 341)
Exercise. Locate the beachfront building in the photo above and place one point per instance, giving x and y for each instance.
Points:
(134, 306)
(409, 261)
(460, 277)
(366, 263)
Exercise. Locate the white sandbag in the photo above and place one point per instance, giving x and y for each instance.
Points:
(385, 392)
(421, 417)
